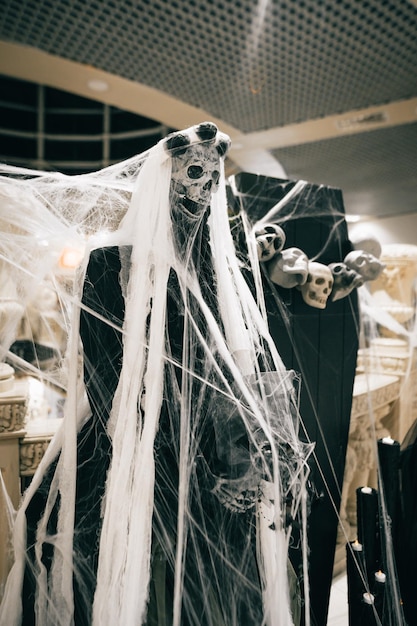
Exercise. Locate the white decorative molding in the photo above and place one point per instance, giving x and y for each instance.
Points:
(394, 290)
(13, 401)
(32, 450)
(388, 355)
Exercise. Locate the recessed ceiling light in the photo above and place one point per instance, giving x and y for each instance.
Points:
(351, 219)
(96, 84)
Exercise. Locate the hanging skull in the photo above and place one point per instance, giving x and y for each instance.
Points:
(195, 165)
(270, 239)
(365, 264)
(316, 290)
(345, 280)
(289, 268)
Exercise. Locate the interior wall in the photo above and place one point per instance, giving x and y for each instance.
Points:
(398, 229)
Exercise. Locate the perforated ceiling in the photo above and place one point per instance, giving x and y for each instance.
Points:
(358, 165)
(254, 65)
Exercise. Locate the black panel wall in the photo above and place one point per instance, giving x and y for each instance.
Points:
(321, 345)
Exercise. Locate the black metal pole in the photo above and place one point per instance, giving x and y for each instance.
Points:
(379, 592)
(389, 517)
(355, 581)
(368, 529)
(389, 465)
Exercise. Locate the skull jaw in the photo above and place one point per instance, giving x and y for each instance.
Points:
(195, 208)
(312, 299)
(188, 205)
(190, 202)
(346, 287)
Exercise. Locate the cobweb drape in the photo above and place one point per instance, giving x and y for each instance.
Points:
(169, 493)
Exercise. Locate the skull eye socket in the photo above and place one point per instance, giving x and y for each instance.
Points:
(216, 176)
(195, 171)
(320, 281)
(337, 269)
(277, 243)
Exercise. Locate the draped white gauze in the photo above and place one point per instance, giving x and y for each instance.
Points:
(170, 497)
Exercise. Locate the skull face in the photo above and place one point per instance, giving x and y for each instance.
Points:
(270, 239)
(195, 176)
(319, 285)
(345, 280)
(289, 268)
(365, 264)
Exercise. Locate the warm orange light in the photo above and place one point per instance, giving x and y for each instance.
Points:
(70, 258)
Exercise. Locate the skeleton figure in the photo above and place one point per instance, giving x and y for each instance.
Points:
(345, 280)
(270, 239)
(365, 264)
(157, 491)
(195, 167)
(289, 268)
(318, 287)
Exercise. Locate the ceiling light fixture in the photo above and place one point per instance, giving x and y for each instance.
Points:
(351, 219)
(96, 84)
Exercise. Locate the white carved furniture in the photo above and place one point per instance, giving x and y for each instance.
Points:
(13, 405)
(29, 417)
(394, 291)
(385, 389)
(393, 356)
